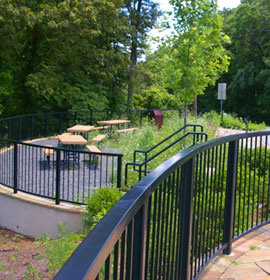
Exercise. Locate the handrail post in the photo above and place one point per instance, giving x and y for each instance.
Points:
(119, 171)
(230, 196)
(15, 166)
(186, 214)
(57, 185)
(139, 243)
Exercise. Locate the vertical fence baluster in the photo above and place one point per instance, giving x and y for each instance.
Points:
(57, 194)
(119, 171)
(15, 166)
(139, 243)
(230, 196)
(186, 209)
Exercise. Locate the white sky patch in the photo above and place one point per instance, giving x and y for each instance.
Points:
(227, 3)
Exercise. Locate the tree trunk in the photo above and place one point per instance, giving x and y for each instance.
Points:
(185, 114)
(131, 75)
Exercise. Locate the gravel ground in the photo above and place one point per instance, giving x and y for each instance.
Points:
(77, 179)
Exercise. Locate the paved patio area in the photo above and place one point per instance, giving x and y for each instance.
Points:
(249, 260)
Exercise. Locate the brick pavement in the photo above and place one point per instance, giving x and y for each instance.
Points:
(249, 260)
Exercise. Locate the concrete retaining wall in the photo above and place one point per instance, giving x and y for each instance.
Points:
(34, 216)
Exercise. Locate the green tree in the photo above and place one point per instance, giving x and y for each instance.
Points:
(62, 55)
(196, 56)
(249, 73)
(142, 16)
(150, 90)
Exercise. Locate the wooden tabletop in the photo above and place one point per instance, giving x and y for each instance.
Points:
(80, 128)
(66, 139)
(111, 122)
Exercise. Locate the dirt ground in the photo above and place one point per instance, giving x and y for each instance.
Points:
(20, 258)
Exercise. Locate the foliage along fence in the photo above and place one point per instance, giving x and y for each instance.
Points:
(172, 223)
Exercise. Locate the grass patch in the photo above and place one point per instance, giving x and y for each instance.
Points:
(253, 247)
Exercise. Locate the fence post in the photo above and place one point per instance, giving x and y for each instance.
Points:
(119, 171)
(57, 185)
(230, 196)
(139, 243)
(15, 166)
(186, 219)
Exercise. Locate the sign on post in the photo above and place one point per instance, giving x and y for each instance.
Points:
(222, 91)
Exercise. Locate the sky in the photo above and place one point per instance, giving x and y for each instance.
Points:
(164, 4)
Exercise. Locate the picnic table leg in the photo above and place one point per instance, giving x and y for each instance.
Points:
(48, 160)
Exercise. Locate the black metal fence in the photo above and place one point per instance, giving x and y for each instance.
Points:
(33, 126)
(172, 223)
(25, 167)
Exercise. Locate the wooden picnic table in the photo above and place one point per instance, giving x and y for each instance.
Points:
(66, 139)
(112, 122)
(80, 128)
(73, 142)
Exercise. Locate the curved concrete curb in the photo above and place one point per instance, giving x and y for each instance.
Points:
(35, 216)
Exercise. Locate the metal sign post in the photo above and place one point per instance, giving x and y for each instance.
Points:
(222, 96)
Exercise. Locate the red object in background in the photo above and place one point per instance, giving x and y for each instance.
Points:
(158, 116)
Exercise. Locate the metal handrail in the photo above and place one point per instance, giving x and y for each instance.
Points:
(167, 138)
(145, 152)
(131, 215)
(140, 165)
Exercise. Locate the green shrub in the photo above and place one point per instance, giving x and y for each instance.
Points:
(98, 205)
(255, 126)
(231, 121)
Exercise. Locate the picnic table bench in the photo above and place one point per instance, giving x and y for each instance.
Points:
(93, 149)
(125, 130)
(99, 138)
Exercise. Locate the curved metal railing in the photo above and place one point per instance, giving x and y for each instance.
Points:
(172, 223)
